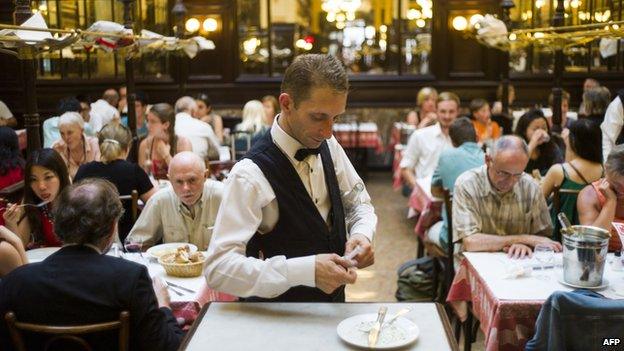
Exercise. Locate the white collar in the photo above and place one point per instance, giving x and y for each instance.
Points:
(285, 142)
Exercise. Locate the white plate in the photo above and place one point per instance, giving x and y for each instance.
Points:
(41, 253)
(354, 331)
(163, 249)
(605, 283)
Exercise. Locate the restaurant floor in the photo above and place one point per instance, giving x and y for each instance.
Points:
(395, 243)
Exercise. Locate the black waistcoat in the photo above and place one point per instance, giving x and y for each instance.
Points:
(300, 229)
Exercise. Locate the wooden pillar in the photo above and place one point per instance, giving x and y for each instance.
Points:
(130, 87)
(29, 75)
(558, 21)
(506, 5)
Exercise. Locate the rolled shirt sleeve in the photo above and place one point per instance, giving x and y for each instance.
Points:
(411, 153)
(228, 269)
(612, 126)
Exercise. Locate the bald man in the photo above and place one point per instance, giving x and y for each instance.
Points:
(186, 210)
(104, 110)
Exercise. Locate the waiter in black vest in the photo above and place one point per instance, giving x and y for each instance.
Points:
(290, 211)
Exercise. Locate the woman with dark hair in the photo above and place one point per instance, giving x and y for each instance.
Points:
(11, 163)
(543, 150)
(46, 176)
(583, 166)
(205, 114)
(161, 144)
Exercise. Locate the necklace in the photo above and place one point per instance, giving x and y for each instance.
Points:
(47, 213)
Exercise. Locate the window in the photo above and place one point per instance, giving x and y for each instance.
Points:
(80, 62)
(583, 58)
(370, 37)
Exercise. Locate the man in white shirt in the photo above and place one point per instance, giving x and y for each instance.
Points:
(203, 139)
(612, 125)
(6, 117)
(424, 146)
(290, 209)
(185, 211)
(104, 110)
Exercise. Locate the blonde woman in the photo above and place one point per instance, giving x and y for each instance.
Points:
(74, 146)
(253, 116)
(115, 141)
(425, 114)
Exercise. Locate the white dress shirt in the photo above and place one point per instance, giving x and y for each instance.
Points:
(199, 133)
(101, 114)
(611, 126)
(423, 150)
(165, 217)
(249, 205)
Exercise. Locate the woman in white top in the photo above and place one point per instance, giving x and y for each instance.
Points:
(74, 146)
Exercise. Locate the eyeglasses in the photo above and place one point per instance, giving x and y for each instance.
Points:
(505, 174)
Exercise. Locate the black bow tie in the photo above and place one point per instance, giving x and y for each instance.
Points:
(301, 154)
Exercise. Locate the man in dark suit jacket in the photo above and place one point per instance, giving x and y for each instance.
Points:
(80, 285)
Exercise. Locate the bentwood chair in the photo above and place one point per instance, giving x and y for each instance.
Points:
(66, 337)
(443, 259)
(13, 193)
(134, 198)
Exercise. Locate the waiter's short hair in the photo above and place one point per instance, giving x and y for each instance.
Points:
(86, 211)
(314, 71)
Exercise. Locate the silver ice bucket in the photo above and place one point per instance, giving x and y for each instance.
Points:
(584, 255)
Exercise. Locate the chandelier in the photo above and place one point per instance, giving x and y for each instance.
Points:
(340, 10)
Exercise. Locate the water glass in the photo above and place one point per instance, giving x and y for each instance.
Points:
(544, 254)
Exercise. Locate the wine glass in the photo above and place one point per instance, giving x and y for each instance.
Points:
(544, 254)
(133, 244)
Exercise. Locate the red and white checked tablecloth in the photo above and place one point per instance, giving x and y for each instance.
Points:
(507, 324)
(427, 208)
(362, 135)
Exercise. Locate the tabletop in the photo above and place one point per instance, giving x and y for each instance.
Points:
(492, 267)
(304, 326)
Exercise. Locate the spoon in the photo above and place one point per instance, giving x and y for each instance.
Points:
(39, 205)
(566, 226)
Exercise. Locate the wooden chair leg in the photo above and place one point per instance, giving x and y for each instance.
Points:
(436, 279)
(420, 249)
(467, 330)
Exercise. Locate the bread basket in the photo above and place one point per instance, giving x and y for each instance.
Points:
(185, 270)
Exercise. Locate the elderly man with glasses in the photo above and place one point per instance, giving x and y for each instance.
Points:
(498, 207)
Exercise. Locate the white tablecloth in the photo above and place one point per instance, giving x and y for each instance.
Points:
(492, 268)
(302, 326)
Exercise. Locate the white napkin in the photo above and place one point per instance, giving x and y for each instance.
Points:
(517, 269)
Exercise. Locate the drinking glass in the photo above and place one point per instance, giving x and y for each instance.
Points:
(544, 254)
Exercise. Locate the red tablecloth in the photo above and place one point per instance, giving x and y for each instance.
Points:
(507, 325)
(187, 311)
(428, 209)
(353, 139)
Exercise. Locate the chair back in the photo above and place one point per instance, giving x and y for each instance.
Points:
(450, 251)
(67, 335)
(134, 198)
(13, 193)
(241, 143)
(556, 200)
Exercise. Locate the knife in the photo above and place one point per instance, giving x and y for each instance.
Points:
(180, 287)
(373, 335)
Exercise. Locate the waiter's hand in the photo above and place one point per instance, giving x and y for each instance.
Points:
(367, 256)
(330, 272)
